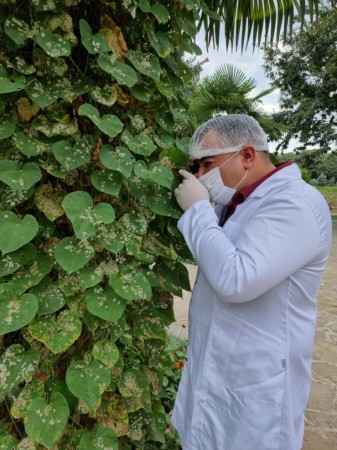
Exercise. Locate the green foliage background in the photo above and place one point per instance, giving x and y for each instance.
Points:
(93, 99)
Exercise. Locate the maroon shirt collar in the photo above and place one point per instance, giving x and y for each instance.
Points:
(240, 196)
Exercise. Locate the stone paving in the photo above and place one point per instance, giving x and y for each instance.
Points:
(321, 413)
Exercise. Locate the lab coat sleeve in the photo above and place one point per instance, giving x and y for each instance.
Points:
(281, 237)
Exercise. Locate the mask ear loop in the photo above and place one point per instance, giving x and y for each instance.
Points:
(241, 179)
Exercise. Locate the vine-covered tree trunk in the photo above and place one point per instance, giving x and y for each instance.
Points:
(93, 97)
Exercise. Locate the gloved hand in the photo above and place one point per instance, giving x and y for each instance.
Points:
(190, 191)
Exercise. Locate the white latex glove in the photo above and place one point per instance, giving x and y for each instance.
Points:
(190, 191)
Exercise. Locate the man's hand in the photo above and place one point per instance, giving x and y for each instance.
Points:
(190, 191)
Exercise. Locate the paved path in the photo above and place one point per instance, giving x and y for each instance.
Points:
(321, 413)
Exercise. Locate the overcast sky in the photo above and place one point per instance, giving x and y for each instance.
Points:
(250, 63)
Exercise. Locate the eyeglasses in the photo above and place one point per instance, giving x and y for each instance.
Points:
(194, 167)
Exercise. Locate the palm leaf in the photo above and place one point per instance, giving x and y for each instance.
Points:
(240, 18)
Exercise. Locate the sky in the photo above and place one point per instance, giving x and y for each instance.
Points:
(250, 63)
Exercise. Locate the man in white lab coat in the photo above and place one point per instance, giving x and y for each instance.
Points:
(261, 254)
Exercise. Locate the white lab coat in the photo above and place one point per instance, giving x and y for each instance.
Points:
(252, 317)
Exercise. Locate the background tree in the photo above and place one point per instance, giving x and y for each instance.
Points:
(229, 91)
(305, 71)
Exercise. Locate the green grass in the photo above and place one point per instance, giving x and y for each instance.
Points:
(330, 195)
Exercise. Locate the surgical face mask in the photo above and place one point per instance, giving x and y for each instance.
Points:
(218, 192)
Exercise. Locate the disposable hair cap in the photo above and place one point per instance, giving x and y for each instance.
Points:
(226, 134)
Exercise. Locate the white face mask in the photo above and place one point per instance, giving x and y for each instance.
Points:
(218, 192)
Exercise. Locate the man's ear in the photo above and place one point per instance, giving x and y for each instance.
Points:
(248, 154)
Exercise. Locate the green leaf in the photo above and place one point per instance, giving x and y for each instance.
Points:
(155, 172)
(135, 222)
(17, 30)
(187, 23)
(11, 83)
(110, 237)
(16, 311)
(160, 12)
(11, 199)
(44, 422)
(144, 5)
(149, 325)
(7, 128)
(7, 441)
(74, 156)
(85, 217)
(145, 63)
(16, 367)
(103, 438)
(165, 120)
(119, 159)
(107, 181)
(93, 43)
(88, 381)
(57, 333)
(123, 73)
(131, 284)
(11, 262)
(105, 303)
(50, 129)
(109, 124)
(54, 45)
(30, 146)
(162, 202)
(140, 144)
(142, 92)
(174, 157)
(106, 96)
(72, 255)
(27, 277)
(48, 200)
(16, 232)
(49, 295)
(19, 178)
(42, 93)
(107, 352)
(161, 43)
(33, 389)
(135, 390)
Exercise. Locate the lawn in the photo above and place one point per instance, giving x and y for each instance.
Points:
(330, 195)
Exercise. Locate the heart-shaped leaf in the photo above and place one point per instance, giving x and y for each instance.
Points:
(93, 43)
(72, 255)
(48, 200)
(107, 181)
(33, 389)
(110, 237)
(107, 352)
(42, 93)
(135, 390)
(119, 159)
(174, 157)
(160, 12)
(150, 325)
(30, 146)
(17, 30)
(94, 379)
(11, 83)
(49, 295)
(163, 203)
(165, 120)
(106, 96)
(57, 333)
(142, 92)
(16, 367)
(19, 178)
(7, 128)
(104, 438)
(145, 63)
(105, 303)
(109, 124)
(11, 199)
(140, 144)
(130, 283)
(44, 422)
(84, 217)
(53, 44)
(16, 311)
(123, 73)
(155, 172)
(28, 276)
(11, 262)
(50, 129)
(90, 276)
(15, 232)
(73, 156)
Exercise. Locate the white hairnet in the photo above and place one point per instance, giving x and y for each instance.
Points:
(226, 134)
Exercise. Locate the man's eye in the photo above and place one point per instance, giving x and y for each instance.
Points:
(194, 167)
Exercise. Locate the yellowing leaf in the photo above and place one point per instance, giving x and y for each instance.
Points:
(26, 109)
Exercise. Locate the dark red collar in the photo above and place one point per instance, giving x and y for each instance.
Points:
(240, 196)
